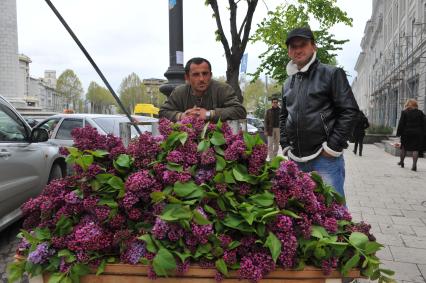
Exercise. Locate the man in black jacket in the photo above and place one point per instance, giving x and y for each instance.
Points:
(318, 111)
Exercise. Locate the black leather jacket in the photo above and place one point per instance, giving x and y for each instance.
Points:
(318, 105)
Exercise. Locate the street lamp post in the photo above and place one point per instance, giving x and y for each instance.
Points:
(175, 73)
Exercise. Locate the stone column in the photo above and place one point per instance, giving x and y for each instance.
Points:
(9, 61)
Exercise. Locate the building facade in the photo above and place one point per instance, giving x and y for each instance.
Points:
(9, 51)
(392, 65)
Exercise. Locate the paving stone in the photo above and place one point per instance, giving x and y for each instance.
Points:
(420, 231)
(407, 221)
(388, 211)
(414, 242)
(395, 229)
(404, 271)
(385, 254)
(410, 255)
(370, 218)
(389, 239)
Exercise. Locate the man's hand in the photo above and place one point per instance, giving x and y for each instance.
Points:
(197, 112)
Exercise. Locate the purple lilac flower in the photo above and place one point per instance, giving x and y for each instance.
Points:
(41, 254)
(257, 159)
(235, 150)
(160, 228)
(102, 212)
(287, 257)
(165, 127)
(208, 157)
(90, 236)
(134, 252)
(93, 170)
(304, 224)
(129, 200)
(230, 257)
(255, 265)
(72, 198)
(134, 214)
(330, 224)
(221, 187)
(339, 211)
(64, 267)
(144, 150)
(175, 233)
(328, 265)
(225, 240)
(244, 189)
(90, 202)
(141, 184)
(175, 156)
(182, 267)
(204, 175)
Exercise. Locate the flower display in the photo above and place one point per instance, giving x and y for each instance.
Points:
(197, 194)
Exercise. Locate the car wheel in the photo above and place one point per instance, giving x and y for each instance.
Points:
(55, 172)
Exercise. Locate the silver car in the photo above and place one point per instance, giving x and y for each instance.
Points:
(27, 162)
(60, 126)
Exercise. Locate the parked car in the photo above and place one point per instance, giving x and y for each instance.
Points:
(27, 163)
(60, 126)
(258, 123)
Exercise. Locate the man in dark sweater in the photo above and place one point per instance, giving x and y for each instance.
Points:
(202, 97)
(272, 128)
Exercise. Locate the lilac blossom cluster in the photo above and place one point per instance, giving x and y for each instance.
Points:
(98, 227)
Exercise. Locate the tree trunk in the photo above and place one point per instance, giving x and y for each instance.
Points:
(232, 78)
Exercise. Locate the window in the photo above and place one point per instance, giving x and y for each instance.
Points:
(11, 128)
(67, 125)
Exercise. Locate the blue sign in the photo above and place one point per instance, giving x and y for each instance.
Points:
(172, 3)
(243, 65)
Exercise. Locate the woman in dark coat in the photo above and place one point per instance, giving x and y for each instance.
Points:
(410, 129)
(359, 131)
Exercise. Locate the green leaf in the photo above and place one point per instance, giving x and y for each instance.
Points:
(157, 196)
(116, 182)
(85, 161)
(15, 271)
(219, 150)
(184, 189)
(351, 263)
(56, 277)
(265, 199)
(219, 178)
(233, 220)
(221, 266)
(174, 167)
(387, 271)
(220, 163)
(319, 252)
(183, 136)
(64, 226)
(150, 245)
(204, 131)
(163, 262)
(108, 202)
(274, 246)
(233, 245)
(358, 239)
(217, 139)
(269, 214)
(101, 267)
(203, 146)
(249, 140)
(318, 232)
(289, 213)
(99, 153)
(229, 178)
(182, 256)
(240, 173)
(173, 212)
(42, 234)
(372, 247)
(276, 161)
(209, 209)
(199, 218)
(124, 161)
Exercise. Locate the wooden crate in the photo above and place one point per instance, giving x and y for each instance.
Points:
(126, 273)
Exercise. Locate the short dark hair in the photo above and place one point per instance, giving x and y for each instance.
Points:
(274, 98)
(196, 61)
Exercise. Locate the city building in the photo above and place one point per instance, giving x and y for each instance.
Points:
(392, 65)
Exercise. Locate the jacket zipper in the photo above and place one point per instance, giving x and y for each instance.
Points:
(324, 124)
(300, 78)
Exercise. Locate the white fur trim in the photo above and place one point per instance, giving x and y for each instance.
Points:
(330, 151)
(304, 158)
(287, 148)
(292, 68)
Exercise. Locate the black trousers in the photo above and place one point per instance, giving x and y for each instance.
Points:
(359, 141)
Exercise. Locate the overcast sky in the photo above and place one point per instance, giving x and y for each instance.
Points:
(125, 36)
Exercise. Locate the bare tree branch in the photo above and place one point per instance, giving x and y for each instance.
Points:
(213, 4)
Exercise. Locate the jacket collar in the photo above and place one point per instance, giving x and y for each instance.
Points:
(292, 68)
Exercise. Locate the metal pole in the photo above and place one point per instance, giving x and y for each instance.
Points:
(175, 73)
(64, 23)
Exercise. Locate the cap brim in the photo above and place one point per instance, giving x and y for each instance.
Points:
(295, 36)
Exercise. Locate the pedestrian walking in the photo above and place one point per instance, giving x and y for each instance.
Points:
(410, 129)
(359, 132)
(318, 111)
(272, 128)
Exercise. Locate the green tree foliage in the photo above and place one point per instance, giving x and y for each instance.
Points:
(239, 36)
(69, 86)
(257, 97)
(274, 28)
(99, 97)
(132, 92)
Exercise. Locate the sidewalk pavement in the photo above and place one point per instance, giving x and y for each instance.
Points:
(393, 200)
